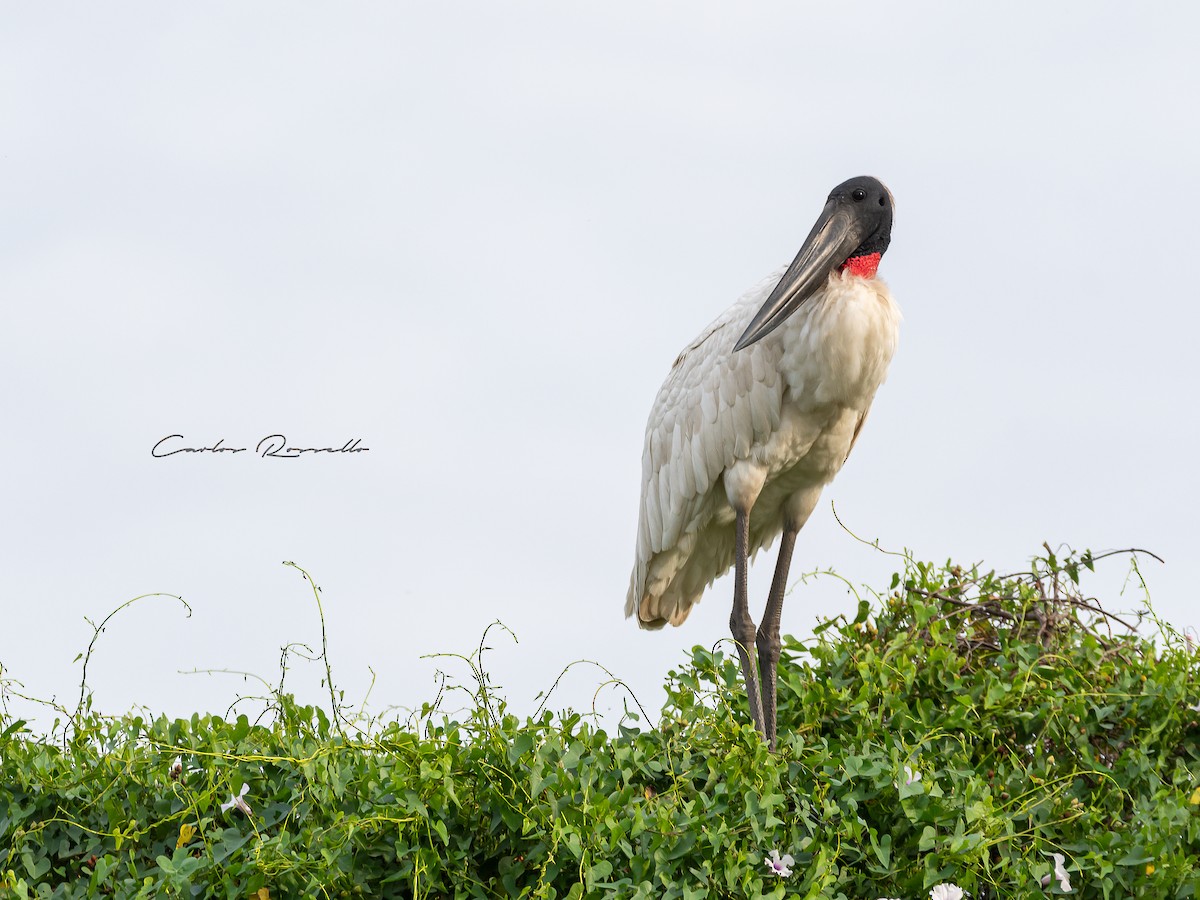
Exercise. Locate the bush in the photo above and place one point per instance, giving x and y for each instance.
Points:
(963, 730)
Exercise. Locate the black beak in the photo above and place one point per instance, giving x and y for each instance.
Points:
(836, 235)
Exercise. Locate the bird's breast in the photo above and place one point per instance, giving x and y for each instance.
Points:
(837, 346)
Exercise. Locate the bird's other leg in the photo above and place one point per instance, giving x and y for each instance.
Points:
(768, 636)
(744, 632)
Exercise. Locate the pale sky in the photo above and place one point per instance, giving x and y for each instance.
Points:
(475, 237)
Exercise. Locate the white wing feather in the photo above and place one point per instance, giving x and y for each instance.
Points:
(713, 408)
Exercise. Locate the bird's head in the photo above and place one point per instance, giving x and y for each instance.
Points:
(851, 234)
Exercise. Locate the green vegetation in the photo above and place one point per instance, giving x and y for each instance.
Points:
(963, 729)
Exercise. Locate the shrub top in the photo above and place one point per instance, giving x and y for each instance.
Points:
(963, 729)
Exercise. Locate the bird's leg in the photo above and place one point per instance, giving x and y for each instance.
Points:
(744, 632)
(768, 636)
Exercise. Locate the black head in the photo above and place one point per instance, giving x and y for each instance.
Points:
(871, 204)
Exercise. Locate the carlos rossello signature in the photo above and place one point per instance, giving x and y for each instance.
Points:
(273, 446)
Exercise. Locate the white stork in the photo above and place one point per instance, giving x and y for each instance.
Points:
(757, 415)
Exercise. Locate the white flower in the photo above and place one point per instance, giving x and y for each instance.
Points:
(946, 891)
(1060, 872)
(236, 800)
(781, 867)
(911, 777)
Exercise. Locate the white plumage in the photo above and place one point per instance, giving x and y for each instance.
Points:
(766, 427)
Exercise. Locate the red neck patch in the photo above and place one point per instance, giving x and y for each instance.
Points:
(862, 266)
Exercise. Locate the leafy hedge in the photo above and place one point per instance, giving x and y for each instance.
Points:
(963, 729)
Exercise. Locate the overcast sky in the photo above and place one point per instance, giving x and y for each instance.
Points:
(475, 236)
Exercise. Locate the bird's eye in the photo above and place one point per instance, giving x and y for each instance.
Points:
(859, 195)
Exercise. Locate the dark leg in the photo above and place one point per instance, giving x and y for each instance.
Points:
(740, 623)
(768, 635)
